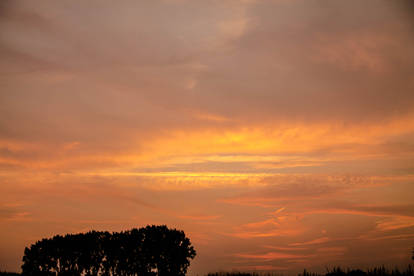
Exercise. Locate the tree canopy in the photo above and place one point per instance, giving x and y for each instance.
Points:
(153, 250)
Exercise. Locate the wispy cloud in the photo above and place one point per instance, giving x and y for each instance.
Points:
(283, 129)
(272, 256)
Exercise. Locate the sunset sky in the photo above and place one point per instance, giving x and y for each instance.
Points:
(278, 134)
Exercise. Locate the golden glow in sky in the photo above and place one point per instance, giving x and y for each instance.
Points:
(279, 135)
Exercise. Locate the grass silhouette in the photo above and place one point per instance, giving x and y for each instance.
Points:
(336, 271)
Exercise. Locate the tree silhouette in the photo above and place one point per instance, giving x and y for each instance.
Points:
(169, 251)
(153, 250)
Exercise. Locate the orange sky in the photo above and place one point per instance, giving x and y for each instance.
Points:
(279, 135)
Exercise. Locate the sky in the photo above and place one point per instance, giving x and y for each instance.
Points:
(278, 134)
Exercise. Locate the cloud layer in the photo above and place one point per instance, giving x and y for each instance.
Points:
(277, 134)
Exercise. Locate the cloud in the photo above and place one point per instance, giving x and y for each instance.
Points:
(199, 217)
(260, 268)
(282, 188)
(312, 242)
(11, 213)
(138, 86)
(246, 123)
(394, 223)
(272, 256)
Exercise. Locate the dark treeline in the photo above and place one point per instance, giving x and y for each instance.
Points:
(378, 271)
(153, 250)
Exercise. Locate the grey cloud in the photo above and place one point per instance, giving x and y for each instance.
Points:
(8, 213)
(293, 187)
(98, 72)
(272, 71)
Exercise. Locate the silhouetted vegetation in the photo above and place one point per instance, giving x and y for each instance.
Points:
(153, 250)
(337, 271)
(240, 274)
(245, 274)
